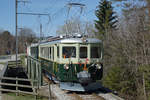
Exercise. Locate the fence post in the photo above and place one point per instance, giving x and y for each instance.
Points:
(35, 92)
(27, 65)
(36, 72)
(30, 68)
(49, 87)
(16, 86)
(32, 71)
(40, 73)
(38, 82)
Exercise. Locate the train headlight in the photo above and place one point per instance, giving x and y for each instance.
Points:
(66, 66)
(98, 66)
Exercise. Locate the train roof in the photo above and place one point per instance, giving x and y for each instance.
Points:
(80, 40)
(77, 38)
(33, 45)
(73, 40)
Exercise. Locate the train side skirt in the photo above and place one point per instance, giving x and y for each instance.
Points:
(78, 87)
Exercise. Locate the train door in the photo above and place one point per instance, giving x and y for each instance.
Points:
(84, 53)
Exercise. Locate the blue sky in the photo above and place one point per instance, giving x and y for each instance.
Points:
(56, 8)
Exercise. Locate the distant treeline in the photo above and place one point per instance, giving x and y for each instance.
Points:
(8, 41)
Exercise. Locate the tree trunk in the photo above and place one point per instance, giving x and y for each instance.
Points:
(144, 91)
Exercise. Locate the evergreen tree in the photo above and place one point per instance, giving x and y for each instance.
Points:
(106, 18)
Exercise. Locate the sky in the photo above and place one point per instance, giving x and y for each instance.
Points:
(57, 10)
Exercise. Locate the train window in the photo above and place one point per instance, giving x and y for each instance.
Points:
(46, 52)
(83, 52)
(58, 52)
(96, 53)
(34, 51)
(50, 53)
(42, 51)
(69, 52)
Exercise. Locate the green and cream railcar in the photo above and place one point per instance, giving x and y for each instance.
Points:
(75, 61)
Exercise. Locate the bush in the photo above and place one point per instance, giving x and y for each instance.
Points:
(122, 80)
(112, 79)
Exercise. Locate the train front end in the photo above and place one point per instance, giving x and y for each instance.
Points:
(80, 67)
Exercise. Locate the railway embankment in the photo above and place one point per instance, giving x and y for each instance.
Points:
(13, 79)
(59, 94)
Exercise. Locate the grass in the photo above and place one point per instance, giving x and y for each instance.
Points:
(21, 62)
(3, 63)
(12, 96)
(22, 58)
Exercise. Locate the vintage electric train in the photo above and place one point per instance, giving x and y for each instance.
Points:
(75, 62)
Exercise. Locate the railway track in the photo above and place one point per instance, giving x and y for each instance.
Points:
(60, 94)
(87, 97)
(95, 96)
(66, 95)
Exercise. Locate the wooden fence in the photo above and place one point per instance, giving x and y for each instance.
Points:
(5, 57)
(34, 70)
(13, 63)
(34, 73)
(17, 85)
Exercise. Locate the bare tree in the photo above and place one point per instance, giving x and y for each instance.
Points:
(7, 42)
(26, 36)
(129, 49)
(76, 26)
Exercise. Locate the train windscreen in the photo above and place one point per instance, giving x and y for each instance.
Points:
(95, 52)
(83, 52)
(69, 52)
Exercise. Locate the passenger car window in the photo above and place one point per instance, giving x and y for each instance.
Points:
(83, 52)
(58, 52)
(50, 53)
(95, 52)
(69, 52)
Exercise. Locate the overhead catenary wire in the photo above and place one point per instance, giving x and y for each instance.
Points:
(61, 10)
(70, 5)
(55, 14)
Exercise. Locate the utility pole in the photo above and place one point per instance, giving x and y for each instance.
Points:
(16, 22)
(41, 33)
(36, 14)
(16, 28)
(16, 9)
